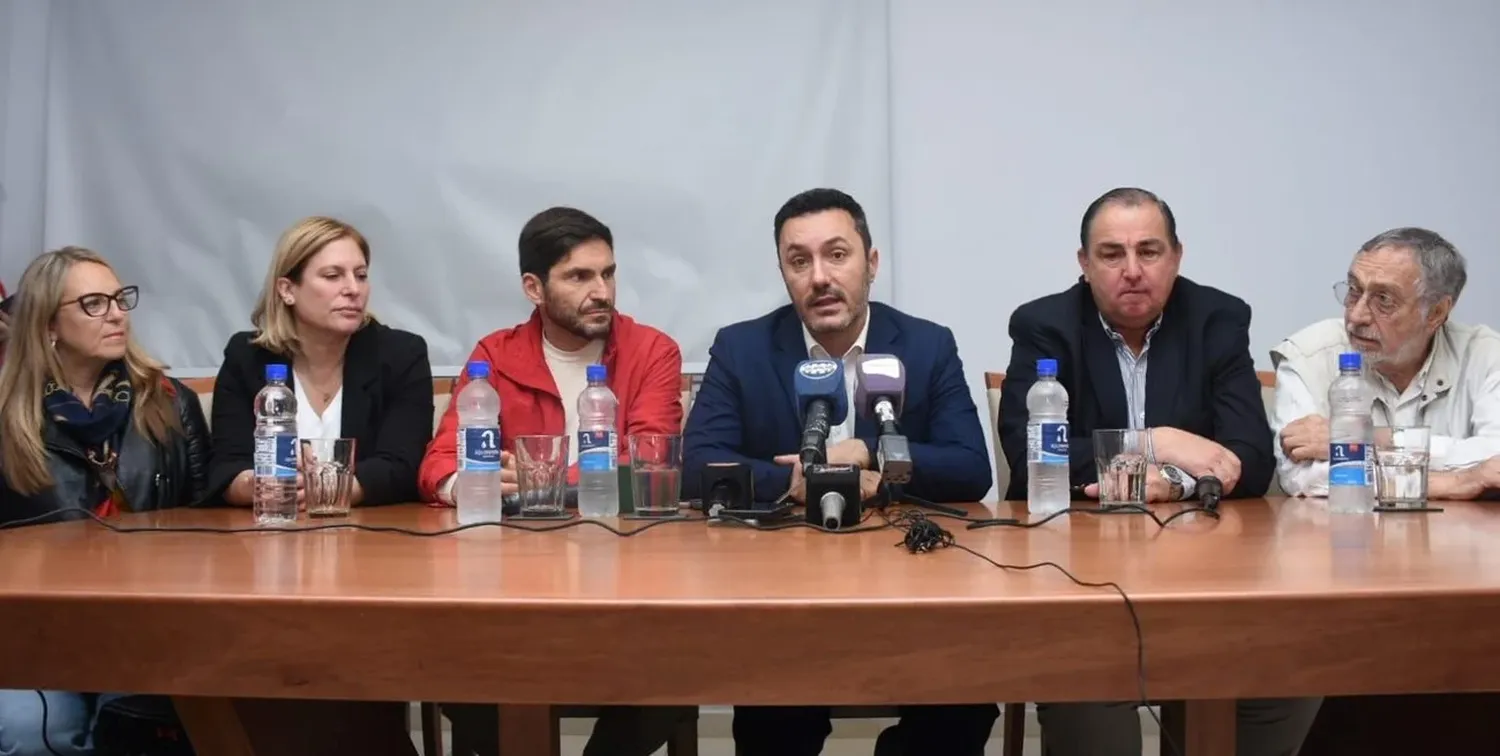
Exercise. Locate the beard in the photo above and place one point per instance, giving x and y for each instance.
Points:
(853, 304)
(575, 321)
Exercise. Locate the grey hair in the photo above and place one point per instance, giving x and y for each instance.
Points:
(1442, 266)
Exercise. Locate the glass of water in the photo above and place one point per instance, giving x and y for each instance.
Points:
(1121, 457)
(656, 473)
(542, 474)
(327, 476)
(1402, 454)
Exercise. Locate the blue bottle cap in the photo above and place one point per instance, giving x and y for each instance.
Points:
(477, 369)
(1046, 368)
(1349, 361)
(276, 372)
(597, 373)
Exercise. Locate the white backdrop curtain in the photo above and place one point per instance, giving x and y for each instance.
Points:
(179, 137)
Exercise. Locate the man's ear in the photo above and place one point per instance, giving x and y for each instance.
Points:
(1083, 263)
(1439, 313)
(533, 288)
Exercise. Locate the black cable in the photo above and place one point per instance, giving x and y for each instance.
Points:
(1120, 509)
(46, 740)
(924, 535)
(507, 524)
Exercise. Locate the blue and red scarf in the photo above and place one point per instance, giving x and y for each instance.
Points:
(98, 429)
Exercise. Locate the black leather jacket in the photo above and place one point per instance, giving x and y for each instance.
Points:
(152, 477)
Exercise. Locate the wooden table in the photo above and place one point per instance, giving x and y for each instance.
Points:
(1277, 598)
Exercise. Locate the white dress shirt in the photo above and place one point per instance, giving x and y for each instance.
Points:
(1133, 373)
(310, 424)
(1456, 394)
(845, 430)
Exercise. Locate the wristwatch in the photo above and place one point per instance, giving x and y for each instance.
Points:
(1174, 479)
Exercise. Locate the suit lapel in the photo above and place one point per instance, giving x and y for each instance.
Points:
(361, 372)
(1103, 366)
(1166, 358)
(883, 338)
(790, 350)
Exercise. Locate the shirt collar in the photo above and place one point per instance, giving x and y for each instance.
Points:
(1118, 339)
(817, 352)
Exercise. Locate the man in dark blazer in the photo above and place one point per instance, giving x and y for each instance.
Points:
(745, 412)
(1137, 346)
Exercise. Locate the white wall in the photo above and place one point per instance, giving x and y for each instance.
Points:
(1282, 133)
(183, 137)
(23, 128)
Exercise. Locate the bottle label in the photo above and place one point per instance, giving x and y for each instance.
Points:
(596, 451)
(1047, 443)
(1346, 465)
(479, 449)
(276, 456)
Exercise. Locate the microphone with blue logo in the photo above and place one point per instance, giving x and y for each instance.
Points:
(832, 491)
(822, 402)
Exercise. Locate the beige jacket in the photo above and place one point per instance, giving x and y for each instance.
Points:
(1456, 394)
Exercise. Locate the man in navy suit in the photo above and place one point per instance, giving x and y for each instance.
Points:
(1138, 346)
(745, 412)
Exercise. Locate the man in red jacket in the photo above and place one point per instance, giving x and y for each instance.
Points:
(539, 369)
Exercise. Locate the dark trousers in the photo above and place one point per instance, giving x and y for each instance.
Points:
(619, 730)
(946, 730)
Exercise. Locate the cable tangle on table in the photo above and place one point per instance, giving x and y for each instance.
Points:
(922, 535)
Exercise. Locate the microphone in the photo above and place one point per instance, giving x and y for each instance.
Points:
(879, 393)
(1210, 490)
(822, 402)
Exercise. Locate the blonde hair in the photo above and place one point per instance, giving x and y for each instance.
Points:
(31, 360)
(275, 323)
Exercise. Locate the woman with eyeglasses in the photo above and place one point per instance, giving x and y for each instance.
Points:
(89, 423)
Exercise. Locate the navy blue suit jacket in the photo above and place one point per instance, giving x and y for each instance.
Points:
(746, 410)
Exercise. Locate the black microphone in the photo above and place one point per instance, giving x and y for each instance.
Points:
(822, 402)
(1210, 490)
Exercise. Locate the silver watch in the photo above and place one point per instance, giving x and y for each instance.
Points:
(1174, 479)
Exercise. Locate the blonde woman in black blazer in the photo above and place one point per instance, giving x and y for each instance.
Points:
(358, 378)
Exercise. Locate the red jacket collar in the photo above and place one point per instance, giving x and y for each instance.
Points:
(522, 352)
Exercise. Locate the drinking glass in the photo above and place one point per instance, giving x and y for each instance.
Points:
(1402, 455)
(328, 476)
(542, 474)
(656, 473)
(1121, 457)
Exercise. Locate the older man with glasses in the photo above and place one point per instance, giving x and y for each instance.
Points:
(1422, 368)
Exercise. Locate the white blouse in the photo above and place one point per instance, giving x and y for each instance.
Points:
(312, 425)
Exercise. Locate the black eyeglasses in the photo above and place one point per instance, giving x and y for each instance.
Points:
(97, 305)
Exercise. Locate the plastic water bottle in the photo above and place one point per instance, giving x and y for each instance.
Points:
(598, 445)
(1350, 431)
(476, 490)
(275, 495)
(1047, 442)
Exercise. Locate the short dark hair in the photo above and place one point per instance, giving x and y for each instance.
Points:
(817, 201)
(551, 234)
(1128, 196)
